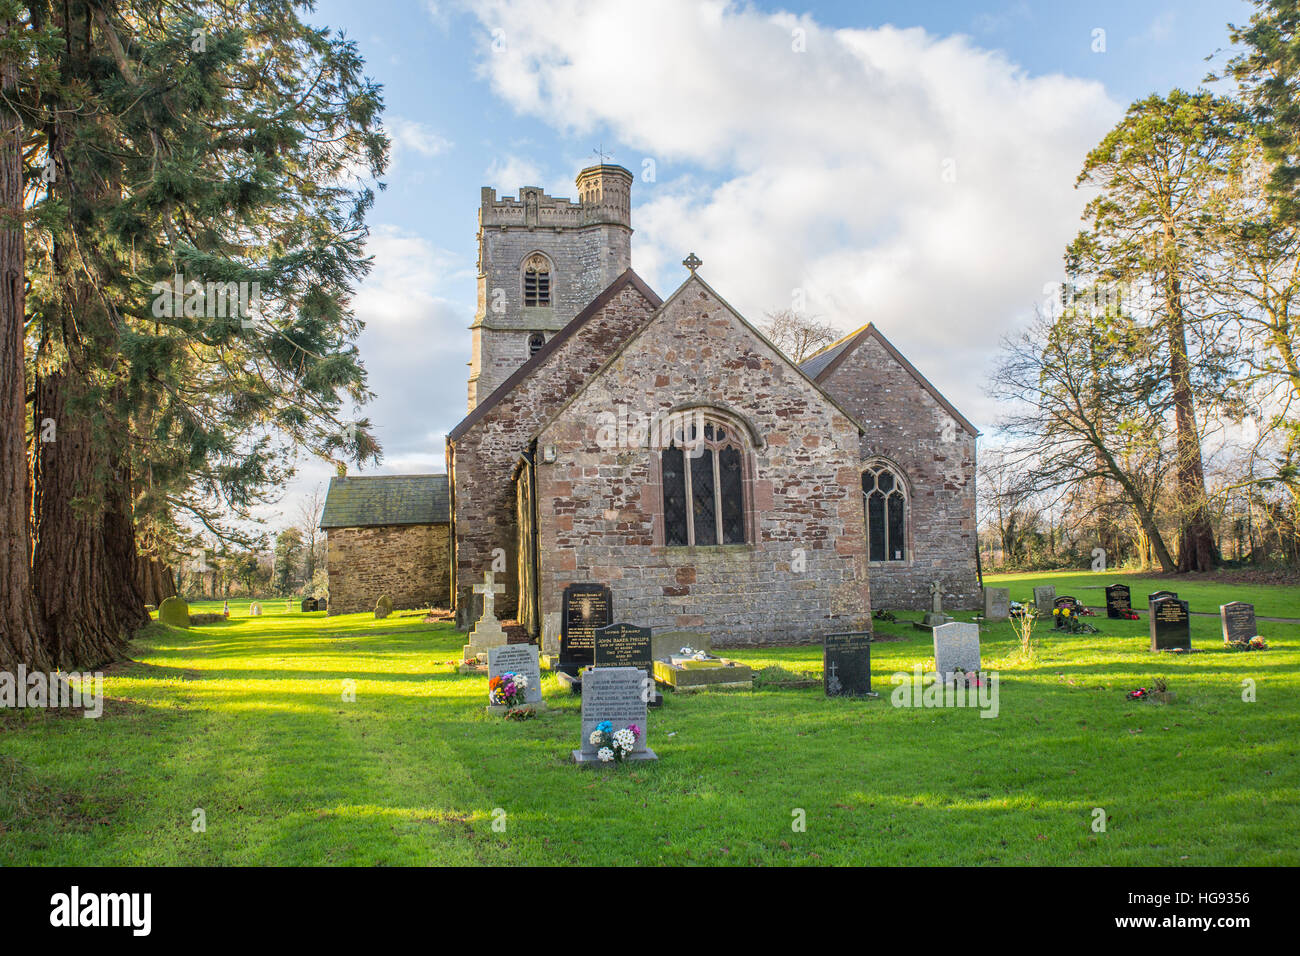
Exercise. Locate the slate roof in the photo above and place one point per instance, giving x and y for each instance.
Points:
(820, 366)
(368, 501)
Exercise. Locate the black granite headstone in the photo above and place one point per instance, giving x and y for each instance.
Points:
(584, 608)
(1238, 620)
(1157, 595)
(308, 604)
(1119, 600)
(1170, 625)
(846, 663)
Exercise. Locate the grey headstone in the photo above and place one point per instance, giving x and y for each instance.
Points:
(997, 604)
(616, 694)
(1044, 595)
(1238, 619)
(956, 645)
(519, 659)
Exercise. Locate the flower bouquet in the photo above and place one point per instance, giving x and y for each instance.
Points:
(507, 689)
(614, 745)
(1254, 644)
(1066, 619)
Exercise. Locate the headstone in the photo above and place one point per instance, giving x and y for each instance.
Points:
(255, 609)
(846, 664)
(1238, 619)
(225, 609)
(1157, 595)
(383, 607)
(997, 604)
(1044, 595)
(518, 659)
(488, 632)
(1170, 625)
(174, 611)
(618, 695)
(956, 645)
(1119, 600)
(623, 645)
(309, 604)
(1066, 601)
(583, 608)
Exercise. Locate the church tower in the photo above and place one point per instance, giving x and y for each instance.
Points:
(541, 260)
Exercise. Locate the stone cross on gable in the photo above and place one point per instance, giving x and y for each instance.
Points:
(692, 262)
(489, 589)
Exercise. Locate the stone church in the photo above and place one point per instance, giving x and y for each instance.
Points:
(665, 448)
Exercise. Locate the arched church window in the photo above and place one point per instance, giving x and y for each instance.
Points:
(535, 343)
(537, 281)
(885, 498)
(703, 474)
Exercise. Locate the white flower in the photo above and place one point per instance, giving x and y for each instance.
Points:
(605, 754)
(595, 738)
(521, 681)
(624, 739)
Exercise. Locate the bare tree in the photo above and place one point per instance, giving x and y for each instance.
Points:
(796, 335)
(310, 509)
(1088, 403)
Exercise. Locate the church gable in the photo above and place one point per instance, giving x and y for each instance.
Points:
(753, 532)
(918, 455)
(484, 448)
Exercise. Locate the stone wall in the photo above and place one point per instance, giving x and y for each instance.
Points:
(409, 563)
(482, 460)
(802, 572)
(935, 452)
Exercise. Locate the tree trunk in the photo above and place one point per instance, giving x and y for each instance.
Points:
(22, 636)
(72, 572)
(1196, 548)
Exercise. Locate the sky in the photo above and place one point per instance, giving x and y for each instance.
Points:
(906, 163)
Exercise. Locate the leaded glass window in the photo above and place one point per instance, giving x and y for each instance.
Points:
(885, 499)
(704, 486)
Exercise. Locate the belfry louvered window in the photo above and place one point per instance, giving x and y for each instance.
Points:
(885, 498)
(537, 281)
(704, 486)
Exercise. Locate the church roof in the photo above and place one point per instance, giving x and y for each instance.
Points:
(821, 366)
(695, 278)
(372, 500)
(558, 339)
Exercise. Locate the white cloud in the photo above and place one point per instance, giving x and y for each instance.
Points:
(411, 136)
(823, 170)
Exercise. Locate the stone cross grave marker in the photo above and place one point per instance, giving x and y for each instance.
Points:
(1170, 625)
(846, 664)
(517, 659)
(1238, 620)
(488, 632)
(1044, 595)
(1119, 600)
(997, 604)
(956, 645)
(584, 608)
(613, 694)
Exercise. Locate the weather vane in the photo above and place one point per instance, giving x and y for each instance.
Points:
(600, 153)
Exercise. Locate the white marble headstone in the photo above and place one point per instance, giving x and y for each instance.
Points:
(956, 645)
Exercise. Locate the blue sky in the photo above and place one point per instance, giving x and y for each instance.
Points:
(906, 163)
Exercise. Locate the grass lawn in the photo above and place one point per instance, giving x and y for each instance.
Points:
(245, 720)
(1203, 592)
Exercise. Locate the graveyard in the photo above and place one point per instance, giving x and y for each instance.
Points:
(354, 739)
